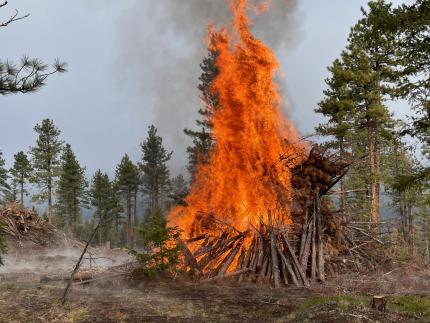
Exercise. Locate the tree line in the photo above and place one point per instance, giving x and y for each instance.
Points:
(60, 182)
(386, 61)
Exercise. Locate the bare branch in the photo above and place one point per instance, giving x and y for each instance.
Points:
(12, 18)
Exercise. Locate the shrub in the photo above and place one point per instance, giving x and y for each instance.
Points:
(160, 252)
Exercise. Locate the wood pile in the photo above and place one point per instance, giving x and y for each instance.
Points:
(21, 224)
(275, 253)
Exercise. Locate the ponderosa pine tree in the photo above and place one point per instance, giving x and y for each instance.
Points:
(71, 190)
(338, 106)
(30, 74)
(46, 161)
(101, 193)
(155, 178)
(179, 190)
(410, 23)
(21, 172)
(127, 178)
(369, 69)
(4, 186)
(202, 139)
(404, 187)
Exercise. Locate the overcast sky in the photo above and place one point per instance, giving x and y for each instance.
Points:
(128, 70)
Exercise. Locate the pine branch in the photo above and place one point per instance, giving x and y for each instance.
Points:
(12, 18)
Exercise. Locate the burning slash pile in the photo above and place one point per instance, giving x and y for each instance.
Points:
(255, 210)
(20, 224)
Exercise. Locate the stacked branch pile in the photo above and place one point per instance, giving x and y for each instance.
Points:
(19, 224)
(274, 253)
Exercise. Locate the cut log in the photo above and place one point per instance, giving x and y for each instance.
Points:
(288, 266)
(320, 246)
(275, 262)
(296, 262)
(304, 257)
(229, 259)
(314, 252)
(192, 262)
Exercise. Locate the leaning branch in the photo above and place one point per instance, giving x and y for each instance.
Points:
(78, 264)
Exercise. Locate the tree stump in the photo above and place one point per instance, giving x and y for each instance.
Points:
(379, 303)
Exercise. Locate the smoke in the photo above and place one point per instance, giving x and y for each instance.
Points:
(161, 46)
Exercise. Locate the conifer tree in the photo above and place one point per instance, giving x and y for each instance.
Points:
(127, 179)
(410, 23)
(159, 241)
(367, 69)
(21, 172)
(101, 199)
(370, 58)
(46, 161)
(155, 178)
(71, 191)
(404, 187)
(4, 186)
(28, 75)
(202, 139)
(338, 106)
(179, 190)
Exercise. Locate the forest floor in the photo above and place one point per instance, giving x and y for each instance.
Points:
(26, 297)
(112, 301)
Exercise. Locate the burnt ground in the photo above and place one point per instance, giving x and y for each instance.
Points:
(25, 296)
(112, 301)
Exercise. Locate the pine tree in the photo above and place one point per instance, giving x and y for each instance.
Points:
(30, 74)
(21, 172)
(410, 23)
(45, 161)
(101, 199)
(179, 190)
(159, 241)
(202, 139)
(367, 69)
(338, 106)
(404, 187)
(71, 191)
(4, 186)
(155, 177)
(127, 178)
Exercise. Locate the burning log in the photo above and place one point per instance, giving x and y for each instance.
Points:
(268, 253)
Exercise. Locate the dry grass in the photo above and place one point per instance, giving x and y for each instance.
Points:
(186, 302)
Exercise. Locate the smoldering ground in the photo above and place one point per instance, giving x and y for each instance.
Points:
(160, 63)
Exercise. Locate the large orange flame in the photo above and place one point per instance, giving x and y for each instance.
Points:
(247, 178)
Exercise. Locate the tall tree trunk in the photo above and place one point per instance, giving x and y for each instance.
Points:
(374, 198)
(22, 193)
(410, 228)
(342, 185)
(50, 201)
(135, 208)
(129, 238)
(116, 230)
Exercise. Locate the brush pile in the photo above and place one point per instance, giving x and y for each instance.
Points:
(20, 224)
(274, 252)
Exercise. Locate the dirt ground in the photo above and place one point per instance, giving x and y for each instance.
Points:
(111, 301)
(25, 296)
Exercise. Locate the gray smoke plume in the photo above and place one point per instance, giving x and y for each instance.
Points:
(161, 46)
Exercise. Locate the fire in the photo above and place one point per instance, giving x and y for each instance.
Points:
(247, 178)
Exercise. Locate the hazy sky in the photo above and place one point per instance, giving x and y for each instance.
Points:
(129, 66)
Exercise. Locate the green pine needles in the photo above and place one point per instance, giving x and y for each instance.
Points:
(161, 254)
